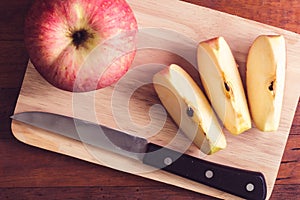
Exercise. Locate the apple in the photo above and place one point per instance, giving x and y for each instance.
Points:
(81, 45)
(222, 83)
(189, 108)
(265, 79)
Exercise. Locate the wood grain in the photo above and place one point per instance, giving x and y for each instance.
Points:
(281, 13)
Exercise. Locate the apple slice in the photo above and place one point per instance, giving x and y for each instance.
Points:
(189, 108)
(222, 83)
(265, 78)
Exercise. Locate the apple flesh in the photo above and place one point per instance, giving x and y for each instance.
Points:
(222, 83)
(265, 79)
(189, 108)
(81, 45)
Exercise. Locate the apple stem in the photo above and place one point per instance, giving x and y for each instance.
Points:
(79, 37)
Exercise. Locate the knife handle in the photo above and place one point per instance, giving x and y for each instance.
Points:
(242, 183)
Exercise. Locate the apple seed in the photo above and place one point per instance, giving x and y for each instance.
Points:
(227, 87)
(190, 112)
(271, 87)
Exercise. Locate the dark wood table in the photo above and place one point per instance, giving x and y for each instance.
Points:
(30, 173)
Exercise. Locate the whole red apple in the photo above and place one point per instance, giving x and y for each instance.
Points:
(81, 45)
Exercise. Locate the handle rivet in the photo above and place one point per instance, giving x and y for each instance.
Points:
(168, 161)
(249, 187)
(209, 174)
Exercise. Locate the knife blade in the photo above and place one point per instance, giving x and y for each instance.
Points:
(243, 183)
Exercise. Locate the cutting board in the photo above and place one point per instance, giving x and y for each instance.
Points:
(133, 106)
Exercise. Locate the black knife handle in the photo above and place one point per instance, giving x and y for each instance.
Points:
(242, 183)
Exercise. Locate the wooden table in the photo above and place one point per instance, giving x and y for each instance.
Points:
(30, 173)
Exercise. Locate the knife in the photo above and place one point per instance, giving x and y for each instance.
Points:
(239, 182)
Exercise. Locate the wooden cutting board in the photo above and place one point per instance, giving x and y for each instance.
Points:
(132, 105)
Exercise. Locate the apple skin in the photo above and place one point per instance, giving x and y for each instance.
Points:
(265, 80)
(189, 108)
(81, 45)
(223, 85)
